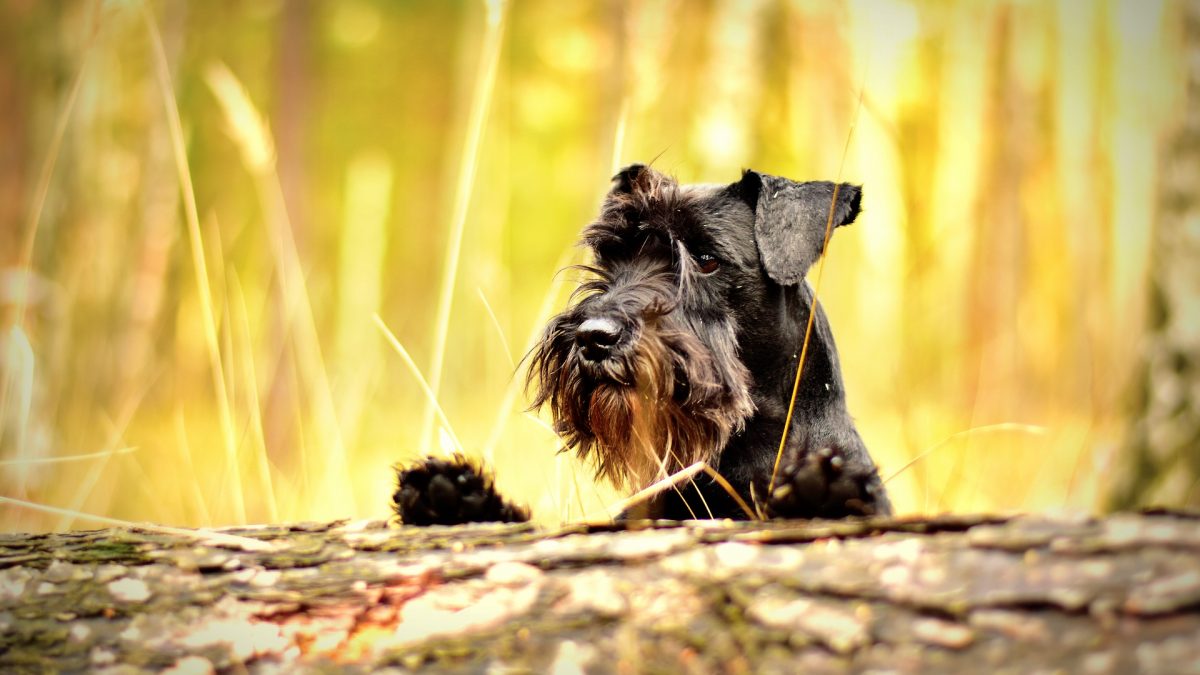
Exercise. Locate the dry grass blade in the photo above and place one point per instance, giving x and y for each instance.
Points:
(576, 492)
(540, 423)
(251, 134)
(246, 356)
(499, 331)
(19, 365)
(196, 243)
(33, 223)
(199, 503)
(66, 458)
(203, 536)
(117, 429)
(481, 99)
(47, 173)
(503, 411)
(812, 312)
(425, 388)
(618, 147)
(243, 122)
(732, 493)
(990, 428)
(673, 481)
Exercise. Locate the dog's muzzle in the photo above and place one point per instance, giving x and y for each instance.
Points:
(597, 338)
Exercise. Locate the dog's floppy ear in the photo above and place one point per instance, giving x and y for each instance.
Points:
(790, 220)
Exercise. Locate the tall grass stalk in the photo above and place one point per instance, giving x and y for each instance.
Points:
(966, 433)
(430, 397)
(618, 146)
(24, 264)
(251, 134)
(515, 385)
(20, 366)
(499, 331)
(45, 176)
(334, 476)
(66, 458)
(361, 270)
(83, 491)
(205, 536)
(481, 99)
(196, 242)
(812, 313)
(184, 448)
(245, 354)
(670, 482)
(508, 399)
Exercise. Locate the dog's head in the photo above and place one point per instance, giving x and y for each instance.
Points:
(644, 370)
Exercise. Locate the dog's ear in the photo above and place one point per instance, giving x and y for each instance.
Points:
(626, 178)
(790, 220)
(639, 179)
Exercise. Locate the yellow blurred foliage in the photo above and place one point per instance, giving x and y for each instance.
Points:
(431, 163)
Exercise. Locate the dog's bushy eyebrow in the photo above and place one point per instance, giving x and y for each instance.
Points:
(632, 231)
(641, 198)
(656, 203)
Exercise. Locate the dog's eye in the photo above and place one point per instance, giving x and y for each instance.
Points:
(707, 263)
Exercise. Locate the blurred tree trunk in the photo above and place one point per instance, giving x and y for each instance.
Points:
(1161, 461)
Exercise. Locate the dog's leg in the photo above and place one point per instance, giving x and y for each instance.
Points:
(450, 492)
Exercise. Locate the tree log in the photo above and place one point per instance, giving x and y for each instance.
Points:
(949, 594)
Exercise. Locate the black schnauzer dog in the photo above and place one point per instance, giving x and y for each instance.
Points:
(682, 346)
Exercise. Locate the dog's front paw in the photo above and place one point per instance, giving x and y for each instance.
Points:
(450, 492)
(822, 484)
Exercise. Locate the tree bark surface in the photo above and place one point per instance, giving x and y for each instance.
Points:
(953, 594)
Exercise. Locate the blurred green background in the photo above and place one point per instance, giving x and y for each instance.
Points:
(196, 343)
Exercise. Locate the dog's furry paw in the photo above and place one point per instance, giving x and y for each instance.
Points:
(450, 492)
(821, 484)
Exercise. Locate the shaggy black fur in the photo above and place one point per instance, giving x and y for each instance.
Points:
(683, 344)
(449, 492)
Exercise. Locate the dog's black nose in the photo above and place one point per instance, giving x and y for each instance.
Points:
(597, 337)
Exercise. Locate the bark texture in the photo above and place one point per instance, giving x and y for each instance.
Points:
(952, 594)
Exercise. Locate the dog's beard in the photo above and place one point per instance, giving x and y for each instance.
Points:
(662, 405)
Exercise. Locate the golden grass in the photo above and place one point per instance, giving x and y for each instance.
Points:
(671, 482)
(196, 242)
(204, 536)
(812, 315)
(481, 99)
(430, 396)
(65, 458)
(992, 284)
(991, 428)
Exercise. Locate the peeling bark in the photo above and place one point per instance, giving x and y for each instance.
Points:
(950, 594)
